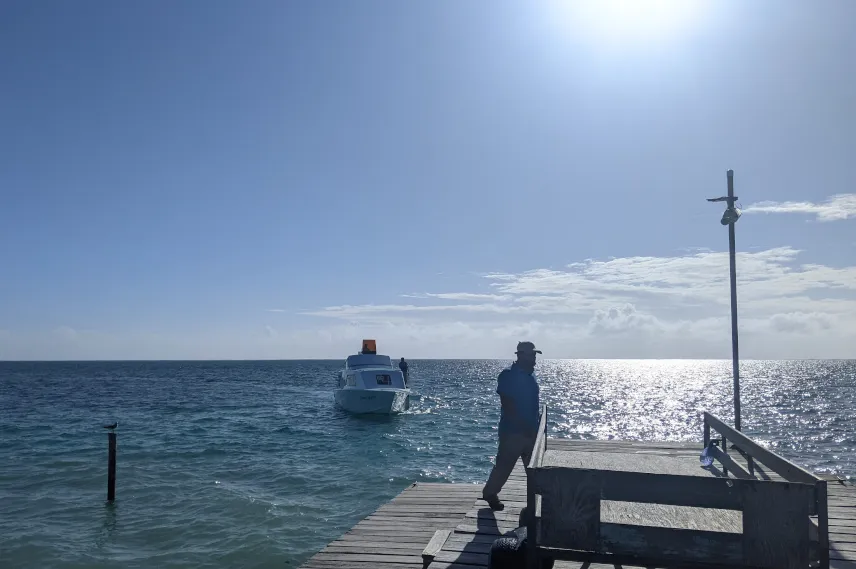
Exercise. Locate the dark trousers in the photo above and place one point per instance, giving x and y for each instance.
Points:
(511, 447)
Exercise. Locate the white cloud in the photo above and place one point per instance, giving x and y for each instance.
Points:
(633, 307)
(683, 283)
(467, 296)
(622, 319)
(367, 310)
(838, 207)
(801, 322)
(669, 306)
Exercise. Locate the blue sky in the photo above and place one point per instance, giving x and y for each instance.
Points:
(280, 179)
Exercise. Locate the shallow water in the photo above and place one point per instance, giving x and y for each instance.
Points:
(249, 464)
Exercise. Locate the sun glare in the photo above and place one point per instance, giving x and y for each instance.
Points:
(630, 20)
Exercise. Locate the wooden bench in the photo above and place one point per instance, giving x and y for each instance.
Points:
(568, 503)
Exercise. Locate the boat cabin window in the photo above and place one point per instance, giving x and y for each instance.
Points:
(351, 380)
(383, 379)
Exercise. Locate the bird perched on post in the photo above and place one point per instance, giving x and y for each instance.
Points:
(113, 426)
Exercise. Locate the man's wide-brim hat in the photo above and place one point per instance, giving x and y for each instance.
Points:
(526, 348)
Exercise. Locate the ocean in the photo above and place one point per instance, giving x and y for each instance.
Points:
(250, 464)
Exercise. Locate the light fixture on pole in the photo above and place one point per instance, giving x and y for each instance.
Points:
(729, 218)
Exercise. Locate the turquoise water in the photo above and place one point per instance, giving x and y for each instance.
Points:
(249, 464)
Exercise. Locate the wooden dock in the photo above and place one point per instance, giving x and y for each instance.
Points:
(396, 534)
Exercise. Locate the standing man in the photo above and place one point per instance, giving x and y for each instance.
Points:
(518, 424)
(402, 365)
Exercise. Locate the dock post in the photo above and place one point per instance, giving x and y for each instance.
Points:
(735, 360)
(729, 218)
(111, 462)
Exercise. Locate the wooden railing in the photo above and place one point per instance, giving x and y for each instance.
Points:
(752, 452)
(564, 513)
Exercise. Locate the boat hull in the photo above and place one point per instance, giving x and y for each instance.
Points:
(373, 401)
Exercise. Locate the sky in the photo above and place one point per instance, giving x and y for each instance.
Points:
(266, 179)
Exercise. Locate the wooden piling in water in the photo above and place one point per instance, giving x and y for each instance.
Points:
(111, 466)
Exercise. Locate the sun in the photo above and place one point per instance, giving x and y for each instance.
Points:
(630, 20)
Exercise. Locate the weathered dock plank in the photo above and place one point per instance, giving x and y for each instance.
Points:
(396, 535)
(435, 545)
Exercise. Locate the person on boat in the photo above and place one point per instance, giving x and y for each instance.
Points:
(402, 365)
(519, 418)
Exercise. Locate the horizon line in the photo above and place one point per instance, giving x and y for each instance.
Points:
(200, 360)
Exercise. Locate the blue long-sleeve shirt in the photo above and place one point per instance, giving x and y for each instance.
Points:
(522, 388)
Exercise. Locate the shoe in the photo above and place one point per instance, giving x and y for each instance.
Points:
(494, 503)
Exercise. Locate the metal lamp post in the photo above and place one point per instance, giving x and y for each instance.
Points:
(729, 218)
